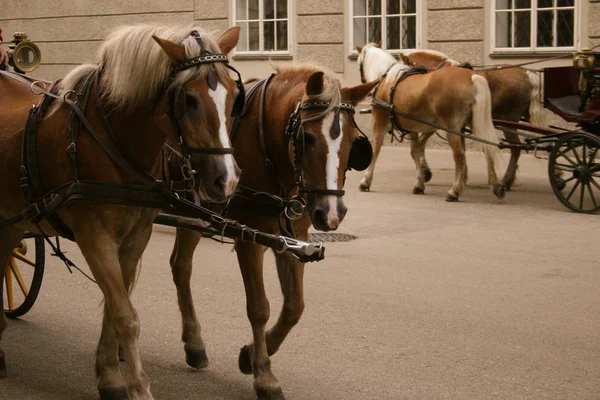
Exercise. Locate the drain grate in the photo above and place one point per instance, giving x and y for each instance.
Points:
(330, 237)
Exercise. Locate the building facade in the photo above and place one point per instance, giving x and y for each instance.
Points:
(325, 32)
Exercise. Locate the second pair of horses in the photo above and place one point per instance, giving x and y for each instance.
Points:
(450, 97)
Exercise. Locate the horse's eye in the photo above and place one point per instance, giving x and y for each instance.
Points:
(191, 101)
(310, 139)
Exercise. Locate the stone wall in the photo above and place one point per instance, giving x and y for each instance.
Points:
(456, 28)
(594, 23)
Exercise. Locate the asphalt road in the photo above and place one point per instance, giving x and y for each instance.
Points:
(481, 299)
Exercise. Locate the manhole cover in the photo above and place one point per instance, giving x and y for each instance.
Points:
(330, 237)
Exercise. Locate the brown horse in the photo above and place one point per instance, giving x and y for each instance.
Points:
(319, 153)
(515, 95)
(449, 97)
(144, 73)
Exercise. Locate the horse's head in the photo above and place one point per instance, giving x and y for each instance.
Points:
(426, 58)
(197, 106)
(373, 61)
(328, 143)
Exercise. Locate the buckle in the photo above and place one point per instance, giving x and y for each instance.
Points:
(31, 212)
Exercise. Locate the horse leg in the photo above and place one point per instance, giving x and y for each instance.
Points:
(102, 255)
(379, 131)
(291, 278)
(427, 175)
(181, 267)
(415, 153)
(458, 153)
(254, 358)
(10, 237)
(511, 171)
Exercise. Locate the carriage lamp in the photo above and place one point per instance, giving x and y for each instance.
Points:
(584, 60)
(23, 54)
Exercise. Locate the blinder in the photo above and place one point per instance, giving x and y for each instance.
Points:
(361, 154)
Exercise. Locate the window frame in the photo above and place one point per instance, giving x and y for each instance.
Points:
(261, 21)
(533, 31)
(419, 23)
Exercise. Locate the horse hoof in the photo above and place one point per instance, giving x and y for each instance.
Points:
(427, 174)
(119, 393)
(364, 187)
(244, 362)
(418, 190)
(196, 358)
(499, 191)
(264, 394)
(121, 353)
(451, 199)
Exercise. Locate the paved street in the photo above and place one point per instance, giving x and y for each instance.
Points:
(481, 299)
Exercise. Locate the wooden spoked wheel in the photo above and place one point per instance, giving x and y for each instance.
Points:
(574, 169)
(23, 276)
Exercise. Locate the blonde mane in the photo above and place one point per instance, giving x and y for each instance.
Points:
(135, 69)
(375, 62)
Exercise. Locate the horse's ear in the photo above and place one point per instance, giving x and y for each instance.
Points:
(176, 52)
(357, 93)
(378, 44)
(229, 39)
(404, 58)
(314, 85)
(358, 48)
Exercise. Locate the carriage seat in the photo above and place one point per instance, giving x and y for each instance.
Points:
(569, 104)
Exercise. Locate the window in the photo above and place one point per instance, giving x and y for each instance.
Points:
(534, 25)
(264, 26)
(397, 18)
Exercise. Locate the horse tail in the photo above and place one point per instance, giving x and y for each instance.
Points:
(481, 123)
(537, 115)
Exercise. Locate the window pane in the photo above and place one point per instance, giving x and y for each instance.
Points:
(545, 3)
(282, 35)
(253, 9)
(522, 29)
(409, 32)
(522, 3)
(393, 33)
(242, 44)
(393, 6)
(503, 29)
(565, 3)
(240, 9)
(503, 4)
(268, 9)
(544, 29)
(360, 7)
(564, 28)
(282, 10)
(374, 7)
(360, 31)
(374, 30)
(253, 36)
(409, 6)
(269, 36)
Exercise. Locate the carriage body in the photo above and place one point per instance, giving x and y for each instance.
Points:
(573, 92)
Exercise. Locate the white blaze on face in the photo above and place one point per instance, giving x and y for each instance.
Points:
(333, 164)
(219, 96)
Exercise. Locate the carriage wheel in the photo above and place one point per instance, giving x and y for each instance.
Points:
(23, 276)
(574, 170)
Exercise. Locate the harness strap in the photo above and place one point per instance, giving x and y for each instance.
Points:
(408, 72)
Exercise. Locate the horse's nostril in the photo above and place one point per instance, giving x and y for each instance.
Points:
(319, 216)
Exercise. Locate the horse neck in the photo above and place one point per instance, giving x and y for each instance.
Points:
(377, 62)
(280, 102)
(137, 133)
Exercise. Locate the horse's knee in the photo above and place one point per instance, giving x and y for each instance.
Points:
(259, 314)
(127, 327)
